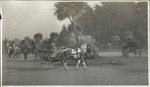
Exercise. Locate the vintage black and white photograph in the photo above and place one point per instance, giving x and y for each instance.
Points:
(74, 43)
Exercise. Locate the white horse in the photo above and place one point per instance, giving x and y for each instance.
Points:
(79, 54)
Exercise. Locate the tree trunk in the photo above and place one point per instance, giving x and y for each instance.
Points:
(75, 31)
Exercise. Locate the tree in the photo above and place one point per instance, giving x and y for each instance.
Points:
(71, 29)
(17, 41)
(111, 18)
(141, 22)
(61, 41)
(53, 37)
(70, 10)
(83, 39)
(38, 37)
(45, 43)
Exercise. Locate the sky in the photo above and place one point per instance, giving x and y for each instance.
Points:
(26, 18)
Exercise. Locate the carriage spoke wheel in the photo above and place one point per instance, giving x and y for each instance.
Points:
(43, 62)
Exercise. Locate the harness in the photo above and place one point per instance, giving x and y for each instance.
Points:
(79, 52)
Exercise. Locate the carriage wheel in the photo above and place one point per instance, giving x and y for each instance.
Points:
(43, 62)
(126, 53)
(138, 53)
(123, 53)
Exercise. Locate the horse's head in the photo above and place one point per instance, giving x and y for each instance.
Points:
(89, 49)
(89, 52)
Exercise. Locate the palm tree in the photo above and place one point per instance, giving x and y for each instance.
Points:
(70, 10)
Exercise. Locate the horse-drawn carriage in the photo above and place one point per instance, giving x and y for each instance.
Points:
(11, 49)
(49, 58)
(131, 46)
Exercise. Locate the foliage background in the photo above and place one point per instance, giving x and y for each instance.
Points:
(109, 19)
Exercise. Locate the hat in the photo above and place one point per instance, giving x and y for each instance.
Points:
(52, 44)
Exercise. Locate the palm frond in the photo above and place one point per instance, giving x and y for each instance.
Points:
(68, 9)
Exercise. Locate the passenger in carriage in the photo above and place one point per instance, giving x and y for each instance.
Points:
(131, 43)
(51, 45)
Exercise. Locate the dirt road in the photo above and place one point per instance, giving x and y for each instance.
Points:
(101, 71)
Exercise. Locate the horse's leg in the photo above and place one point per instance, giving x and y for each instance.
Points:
(33, 55)
(123, 54)
(135, 53)
(25, 56)
(14, 54)
(10, 54)
(127, 53)
(84, 63)
(65, 64)
(77, 66)
(17, 55)
(140, 53)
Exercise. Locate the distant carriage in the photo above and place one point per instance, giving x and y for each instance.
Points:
(14, 51)
(130, 46)
(11, 49)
